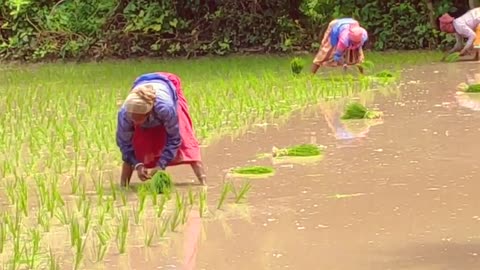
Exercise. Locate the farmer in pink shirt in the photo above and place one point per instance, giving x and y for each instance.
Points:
(341, 45)
(465, 26)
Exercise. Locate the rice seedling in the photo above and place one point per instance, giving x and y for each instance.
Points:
(137, 213)
(149, 233)
(122, 231)
(35, 242)
(62, 215)
(100, 244)
(53, 263)
(164, 226)
(3, 236)
(226, 188)
(356, 110)
(176, 219)
(123, 196)
(191, 197)
(43, 219)
(75, 232)
(241, 194)
(161, 206)
(113, 189)
(202, 198)
(75, 185)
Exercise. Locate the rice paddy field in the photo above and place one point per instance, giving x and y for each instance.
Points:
(389, 192)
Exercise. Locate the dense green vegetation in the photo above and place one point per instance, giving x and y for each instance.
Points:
(35, 30)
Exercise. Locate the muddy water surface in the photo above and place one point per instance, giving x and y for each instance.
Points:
(402, 194)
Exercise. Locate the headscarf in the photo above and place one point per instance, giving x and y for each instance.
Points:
(140, 100)
(356, 34)
(446, 23)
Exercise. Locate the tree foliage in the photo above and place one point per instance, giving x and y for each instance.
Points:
(41, 29)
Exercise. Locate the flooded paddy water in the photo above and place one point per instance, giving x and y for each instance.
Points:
(396, 193)
(402, 196)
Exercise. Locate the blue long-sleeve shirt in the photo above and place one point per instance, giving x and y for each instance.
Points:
(164, 113)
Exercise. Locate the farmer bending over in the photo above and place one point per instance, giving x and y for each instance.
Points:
(154, 128)
(341, 44)
(465, 26)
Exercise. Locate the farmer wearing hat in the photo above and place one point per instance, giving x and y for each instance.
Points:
(341, 45)
(154, 129)
(465, 26)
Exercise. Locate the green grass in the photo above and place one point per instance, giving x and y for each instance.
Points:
(70, 110)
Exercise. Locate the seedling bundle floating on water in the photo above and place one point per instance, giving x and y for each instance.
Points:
(253, 171)
(358, 111)
(473, 88)
(302, 150)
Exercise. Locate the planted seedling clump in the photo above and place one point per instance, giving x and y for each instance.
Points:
(297, 65)
(358, 111)
(302, 150)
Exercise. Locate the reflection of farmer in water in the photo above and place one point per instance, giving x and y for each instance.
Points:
(154, 128)
(190, 244)
(348, 131)
(469, 100)
(465, 26)
(341, 44)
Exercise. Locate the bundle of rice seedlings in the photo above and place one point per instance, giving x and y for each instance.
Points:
(453, 57)
(366, 65)
(384, 74)
(161, 182)
(358, 111)
(297, 65)
(473, 88)
(253, 170)
(302, 150)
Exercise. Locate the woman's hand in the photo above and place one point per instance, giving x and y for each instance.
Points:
(154, 171)
(142, 172)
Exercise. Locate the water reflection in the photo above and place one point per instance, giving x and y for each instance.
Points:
(349, 133)
(190, 243)
(469, 100)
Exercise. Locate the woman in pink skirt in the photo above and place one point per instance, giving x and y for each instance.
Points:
(154, 128)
